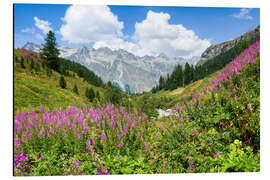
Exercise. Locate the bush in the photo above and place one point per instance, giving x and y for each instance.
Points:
(62, 82)
(75, 89)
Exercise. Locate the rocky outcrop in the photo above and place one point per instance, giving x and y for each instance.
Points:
(215, 50)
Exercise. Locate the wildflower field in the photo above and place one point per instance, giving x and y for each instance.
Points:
(216, 129)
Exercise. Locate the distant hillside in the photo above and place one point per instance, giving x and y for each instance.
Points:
(218, 49)
(37, 86)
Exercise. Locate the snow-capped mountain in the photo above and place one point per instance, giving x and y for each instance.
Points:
(129, 72)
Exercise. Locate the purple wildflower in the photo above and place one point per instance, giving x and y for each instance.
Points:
(197, 96)
(214, 90)
(216, 155)
(184, 98)
(195, 133)
(41, 157)
(192, 166)
(120, 145)
(249, 107)
(77, 163)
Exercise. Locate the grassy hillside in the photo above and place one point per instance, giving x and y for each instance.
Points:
(34, 88)
(215, 129)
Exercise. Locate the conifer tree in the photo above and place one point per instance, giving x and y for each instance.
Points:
(187, 74)
(22, 63)
(98, 95)
(62, 82)
(75, 89)
(161, 82)
(50, 52)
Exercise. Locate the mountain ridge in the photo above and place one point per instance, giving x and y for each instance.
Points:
(215, 50)
(139, 73)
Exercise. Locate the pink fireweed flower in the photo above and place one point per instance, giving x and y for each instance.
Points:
(235, 98)
(17, 142)
(214, 90)
(191, 166)
(104, 138)
(77, 163)
(119, 135)
(125, 130)
(233, 91)
(220, 89)
(120, 145)
(184, 98)
(196, 96)
(146, 148)
(216, 155)
(249, 107)
(78, 136)
(102, 171)
(195, 133)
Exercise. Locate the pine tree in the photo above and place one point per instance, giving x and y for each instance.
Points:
(22, 63)
(187, 74)
(98, 95)
(75, 89)
(62, 82)
(50, 52)
(161, 83)
(31, 65)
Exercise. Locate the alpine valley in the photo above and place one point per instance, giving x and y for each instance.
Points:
(131, 73)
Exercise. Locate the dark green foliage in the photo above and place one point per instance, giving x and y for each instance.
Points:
(48, 71)
(50, 52)
(88, 75)
(161, 82)
(62, 82)
(90, 94)
(113, 94)
(188, 74)
(75, 89)
(31, 65)
(97, 95)
(22, 63)
(245, 44)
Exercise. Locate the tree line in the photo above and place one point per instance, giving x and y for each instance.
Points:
(182, 76)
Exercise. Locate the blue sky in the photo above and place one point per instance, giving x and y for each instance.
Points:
(176, 31)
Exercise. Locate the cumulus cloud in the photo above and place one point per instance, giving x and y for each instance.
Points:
(154, 35)
(43, 25)
(85, 24)
(243, 14)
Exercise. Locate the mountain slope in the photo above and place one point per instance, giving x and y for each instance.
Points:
(218, 49)
(34, 88)
(121, 67)
(216, 129)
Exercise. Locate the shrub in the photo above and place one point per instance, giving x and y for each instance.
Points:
(62, 82)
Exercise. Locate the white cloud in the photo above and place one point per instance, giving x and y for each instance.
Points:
(43, 25)
(28, 30)
(154, 35)
(243, 14)
(85, 24)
